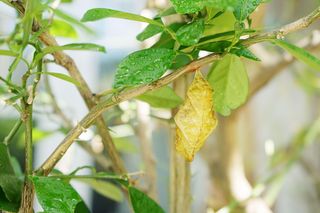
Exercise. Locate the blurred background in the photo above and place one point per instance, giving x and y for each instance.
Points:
(265, 154)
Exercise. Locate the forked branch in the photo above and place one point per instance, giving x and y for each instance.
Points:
(96, 111)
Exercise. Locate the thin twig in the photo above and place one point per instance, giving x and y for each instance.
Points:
(13, 132)
(297, 25)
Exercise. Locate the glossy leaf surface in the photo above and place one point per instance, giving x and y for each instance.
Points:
(187, 6)
(244, 8)
(191, 33)
(10, 184)
(55, 195)
(150, 31)
(101, 13)
(143, 66)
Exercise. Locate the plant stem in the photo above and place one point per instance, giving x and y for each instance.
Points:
(13, 132)
(297, 25)
(180, 175)
(27, 106)
(27, 117)
(28, 191)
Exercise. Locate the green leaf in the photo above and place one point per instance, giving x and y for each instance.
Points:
(55, 195)
(63, 29)
(188, 6)
(166, 40)
(191, 33)
(143, 67)
(63, 77)
(8, 53)
(168, 12)
(104, 188)
(217, 47)
(244, 52)
(221, 46)
(230, 83)
(81, 208)
(181, 60)
(164, 97)
(101, 13)
(10, 184)
(222, 4)
(193, 6)
(141, 203)
(16, 166)
(300, 54)
(74, 46)
(27, 21)
(150, 31)
(244, 8)
(6, 205)
(5, 166)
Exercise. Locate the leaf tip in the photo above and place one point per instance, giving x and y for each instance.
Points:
(89, 16)
(102, 49)
(84, 18)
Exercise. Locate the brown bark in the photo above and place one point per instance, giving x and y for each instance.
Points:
(27, 197)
